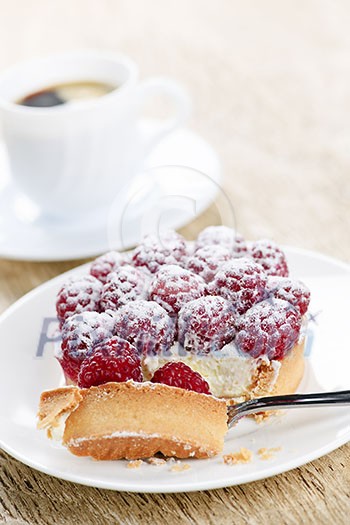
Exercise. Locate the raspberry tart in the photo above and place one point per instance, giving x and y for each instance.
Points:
(156, 343)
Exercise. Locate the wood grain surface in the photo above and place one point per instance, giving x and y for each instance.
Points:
(271, 88)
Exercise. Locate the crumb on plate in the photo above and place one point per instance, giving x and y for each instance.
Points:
(260, 417)
(180, 467)
(243, 456)
(136, 463)
(268, 453)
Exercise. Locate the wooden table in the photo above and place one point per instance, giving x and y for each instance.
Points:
(271, 86)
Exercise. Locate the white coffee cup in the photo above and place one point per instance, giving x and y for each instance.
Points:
(75, 157)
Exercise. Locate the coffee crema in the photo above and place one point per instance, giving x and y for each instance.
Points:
(66, 93)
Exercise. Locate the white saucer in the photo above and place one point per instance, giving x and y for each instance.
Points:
(298, 435)
(175, 197)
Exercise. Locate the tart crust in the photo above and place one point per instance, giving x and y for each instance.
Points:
(135, 420)
(289, 375)
(291, 371)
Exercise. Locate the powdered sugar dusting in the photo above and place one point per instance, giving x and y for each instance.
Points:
(269, 329)
(146, 325)
(207, 260)
(173, 286)
(77, 295)
(295, 292)
(105, 264)
(79, 334)
(153, 252)
(224, 236)
(206, 324)
(86, 328)
(270, 256)
(122, 286)
(241, 281)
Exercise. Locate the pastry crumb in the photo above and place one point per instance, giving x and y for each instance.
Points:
(180, 467)
(260, 417)
(157, 462)
(243, 456)
(136, 463)
(268, 453)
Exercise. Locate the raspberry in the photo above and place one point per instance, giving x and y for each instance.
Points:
(146, 325)
(124, 285)
(182, 376)
(113, 360)
(224, 236)
(206, 324)
(271, 258)
(154, 252)
(79, 334)
(207, 260)
(106, 264)
(240, 281)
(268, 329)
(173, 286)
(295, 292)
(79, 294)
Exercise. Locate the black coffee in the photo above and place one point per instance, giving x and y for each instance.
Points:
(66, 93)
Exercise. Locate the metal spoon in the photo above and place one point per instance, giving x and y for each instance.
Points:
(323, 399)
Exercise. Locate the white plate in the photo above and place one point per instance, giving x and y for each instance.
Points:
(303, 434)
(170, 195)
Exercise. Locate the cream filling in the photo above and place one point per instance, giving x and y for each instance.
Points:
(56, 432)
(228, 372)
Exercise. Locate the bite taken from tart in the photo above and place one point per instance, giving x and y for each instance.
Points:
(156, 342)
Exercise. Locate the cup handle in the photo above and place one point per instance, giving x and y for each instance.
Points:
(183, 105)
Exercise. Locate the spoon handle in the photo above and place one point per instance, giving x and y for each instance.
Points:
(252, 406)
